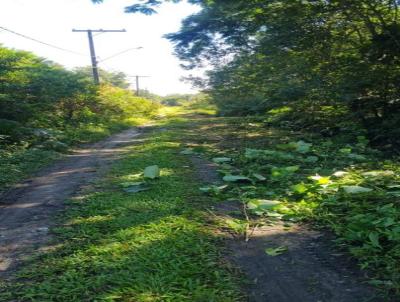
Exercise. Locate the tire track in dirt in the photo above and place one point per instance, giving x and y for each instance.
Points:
(27, 211)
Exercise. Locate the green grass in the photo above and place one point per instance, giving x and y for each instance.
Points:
(92, 132)
(150, 246)
(160, 245)
(17, 164)
(366, 224)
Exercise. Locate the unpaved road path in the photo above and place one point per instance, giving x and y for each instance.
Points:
(312, 270)
(27, 211)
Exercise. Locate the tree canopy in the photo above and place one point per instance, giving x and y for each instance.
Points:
(307, 54)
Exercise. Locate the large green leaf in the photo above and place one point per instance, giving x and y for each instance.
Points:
(276, 251)
(292, 169)
(221, 160)
(378, 173)
(263, 203)
(152, 172)
(237, 225)
(299, 188)
(234, 178)
(259, 177)
(300, 146)
(303, 147)
(281, 172)
(213, 189)
(262, 206)
(356, 189)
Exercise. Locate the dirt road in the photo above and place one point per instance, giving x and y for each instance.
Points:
(312, 270)
(27, 211)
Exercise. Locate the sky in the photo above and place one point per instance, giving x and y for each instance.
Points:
(52, 21)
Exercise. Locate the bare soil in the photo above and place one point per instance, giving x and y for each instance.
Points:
(28, 210)
(312, 270)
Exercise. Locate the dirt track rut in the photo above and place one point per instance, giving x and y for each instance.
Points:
(28, 210)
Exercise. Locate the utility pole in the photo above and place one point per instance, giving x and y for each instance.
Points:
(137, 86)
(137, 77)
(90, 32)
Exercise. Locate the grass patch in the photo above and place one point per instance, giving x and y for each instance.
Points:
(336, 183)
(18, 164)
(88, 133)
(150, 246)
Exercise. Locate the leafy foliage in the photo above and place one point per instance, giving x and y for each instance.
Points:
(45, 107)
(336, 60)
(359, 203)
(117, 79)
(338, 183)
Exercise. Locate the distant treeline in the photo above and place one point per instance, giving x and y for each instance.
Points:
(182, 99)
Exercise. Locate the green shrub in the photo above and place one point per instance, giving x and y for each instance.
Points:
(46, 108)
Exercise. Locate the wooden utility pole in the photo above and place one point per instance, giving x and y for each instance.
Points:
(137, 77)
(90, 32)
(137, 86)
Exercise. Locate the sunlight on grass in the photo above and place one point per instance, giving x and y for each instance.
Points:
(92, 219)
(148, 246)
(336, 183)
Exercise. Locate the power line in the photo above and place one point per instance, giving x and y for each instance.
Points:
(104, 64)
(120, 53)
(98, 34)
(41, 42)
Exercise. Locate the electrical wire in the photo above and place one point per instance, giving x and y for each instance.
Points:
(108, 67)
(41, 42)
(120, 53)
(98, 34)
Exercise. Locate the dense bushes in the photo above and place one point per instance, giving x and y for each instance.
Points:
(43, 107)
(40, 100)
(307, 55)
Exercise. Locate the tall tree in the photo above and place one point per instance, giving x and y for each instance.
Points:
(309, 53)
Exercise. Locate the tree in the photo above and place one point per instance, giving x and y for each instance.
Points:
(118, 78)
(309, 54)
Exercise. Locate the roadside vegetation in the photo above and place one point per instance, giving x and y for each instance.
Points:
(142, 235)
(315, 85)
(45, 109)
(307, 108)
(153, 238)
(336, 184)
(336, 61)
